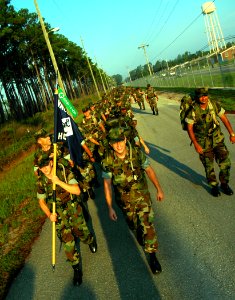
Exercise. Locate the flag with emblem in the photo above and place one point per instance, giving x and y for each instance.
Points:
(66, 130)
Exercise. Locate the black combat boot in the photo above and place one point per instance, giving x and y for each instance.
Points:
(93, 246)
(226, 189)
(77, 277)
(154, 263)
(215, 191)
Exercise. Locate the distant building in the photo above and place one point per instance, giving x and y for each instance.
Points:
(227, 54)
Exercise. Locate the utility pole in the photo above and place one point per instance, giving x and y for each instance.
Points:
(93, 77)
(143, 46)
(101, 76)
(129, 73)
(45, 33)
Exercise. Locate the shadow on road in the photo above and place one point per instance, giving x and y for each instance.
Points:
(131, 270)
(160, 155)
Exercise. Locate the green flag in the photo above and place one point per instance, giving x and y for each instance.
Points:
(68, 105)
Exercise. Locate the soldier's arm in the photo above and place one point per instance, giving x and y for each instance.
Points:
(72, 188)
(108, 198)
(192, 137)
(88, 151)
(153, 177)
(46, 210)
(228, 126)
(146, 148)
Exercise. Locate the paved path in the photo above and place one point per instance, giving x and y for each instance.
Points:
(195, 230)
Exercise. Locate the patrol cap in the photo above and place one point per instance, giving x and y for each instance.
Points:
(42, 160)
(116, 135)
(201, 92)
(85, 109)
(91, 104)
(41, 133)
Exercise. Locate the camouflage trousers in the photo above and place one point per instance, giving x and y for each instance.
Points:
(141, 103)
(136, 206)
(153, 106)
(70, 226)
(220, 154)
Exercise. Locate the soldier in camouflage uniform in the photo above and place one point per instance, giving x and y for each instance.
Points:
(139, 95)
(152, 99)
(124, 168)
(69, 218)
(206, 135)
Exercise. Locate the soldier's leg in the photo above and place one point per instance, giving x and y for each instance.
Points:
(145, 217)
(156, 109)
(143, 105)
(223, 160)
(207, 159)
(224, 163)
(152, 108)
(72, 253)
(65, 235)
(80, 228)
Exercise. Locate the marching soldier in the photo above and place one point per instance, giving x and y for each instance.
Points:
(69, 218)
(152, 98)
(123, 168)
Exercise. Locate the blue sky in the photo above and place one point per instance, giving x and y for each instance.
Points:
(113, 30)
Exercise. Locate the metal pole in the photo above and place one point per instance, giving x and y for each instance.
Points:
(143, 46)
(101, 76)
(93, 77)
(49, 46)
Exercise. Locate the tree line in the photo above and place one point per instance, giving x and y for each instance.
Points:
(142, 71)
(27, 76)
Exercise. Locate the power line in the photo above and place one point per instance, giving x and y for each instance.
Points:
(167, 19)
(180, 34)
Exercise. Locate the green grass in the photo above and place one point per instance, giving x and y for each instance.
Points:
(19, 213)
(19, 210)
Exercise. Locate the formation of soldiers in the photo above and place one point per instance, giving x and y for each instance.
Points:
(110, 137)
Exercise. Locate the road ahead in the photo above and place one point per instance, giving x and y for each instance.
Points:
(195, 231)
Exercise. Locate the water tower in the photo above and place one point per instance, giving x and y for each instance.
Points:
(213, 29)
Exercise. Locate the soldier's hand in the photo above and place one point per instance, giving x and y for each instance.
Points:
(198, 148)
(53, 217)
(55, 179)
(160, 195)
(112, 214)
(232, 139)
(146, 149)
(92, 159)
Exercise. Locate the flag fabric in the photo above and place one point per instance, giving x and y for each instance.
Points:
(66, 130)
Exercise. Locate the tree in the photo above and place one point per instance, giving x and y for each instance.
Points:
(118, 79)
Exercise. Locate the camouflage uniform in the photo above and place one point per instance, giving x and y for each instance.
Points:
(140, 98)
(131, 193)
(152, 99)
(70, 223)
(210, 137)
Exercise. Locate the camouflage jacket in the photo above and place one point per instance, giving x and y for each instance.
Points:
(205, 122)
(128, 173)
(45, 186)
(150, 93)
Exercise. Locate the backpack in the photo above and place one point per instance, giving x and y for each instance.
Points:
(186, 103)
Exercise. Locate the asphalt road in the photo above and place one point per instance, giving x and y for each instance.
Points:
(195, 232)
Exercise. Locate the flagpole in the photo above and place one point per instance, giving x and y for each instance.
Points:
(54, 173)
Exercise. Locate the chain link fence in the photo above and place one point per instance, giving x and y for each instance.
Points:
(205, 71)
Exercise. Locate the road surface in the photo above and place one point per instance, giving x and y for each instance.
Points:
(195, 232)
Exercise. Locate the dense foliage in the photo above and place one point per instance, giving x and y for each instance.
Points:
(27, 76)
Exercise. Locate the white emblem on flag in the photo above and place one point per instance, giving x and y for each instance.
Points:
(68, 130)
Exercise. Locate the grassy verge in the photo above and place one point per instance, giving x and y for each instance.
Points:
(20, 220)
